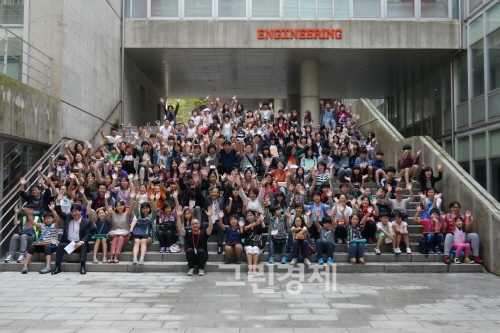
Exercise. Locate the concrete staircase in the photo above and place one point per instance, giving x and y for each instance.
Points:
(175, 262)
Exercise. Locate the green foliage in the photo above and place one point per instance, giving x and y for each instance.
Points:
(186, 106)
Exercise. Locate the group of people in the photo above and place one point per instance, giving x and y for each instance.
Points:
(253, 177)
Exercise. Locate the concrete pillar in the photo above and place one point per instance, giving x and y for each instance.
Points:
(277, 104)
(309, 89)
(293, 103)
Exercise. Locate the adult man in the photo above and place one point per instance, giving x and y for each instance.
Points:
(227, 159)
(196, 242)
(76, 229)
(36, 198)
(214, 203)
(408, 165)
(166, 129)
(98, 199)
(169, 111)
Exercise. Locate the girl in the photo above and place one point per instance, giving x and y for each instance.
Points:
(430, 200)
(141, 229)
(280, 200)
(177, 153)
(233, 230)
(174, 173)
(356, 182)
(400, 227)
(233, 202)
(299, 237)
(101, 219)
(370, 227)
(459, 244)
(78, 163)
(195, 118)
(355, 239)
(308, 118)
(167, 228)
(120, 225)
(321, 176)
(266, 157)
(427, 179)
(309, 161)
(254, 226)
(371, 145)
(186, 218)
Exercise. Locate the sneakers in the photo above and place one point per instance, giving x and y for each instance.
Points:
(167, 250)
(431, 251)
(397, 251)
(201, 272)
(370, 240)
(468, 261)
(24, 270)
(447, 260)
(134, 261)
(190, 272)
(329, 261)
(271, 260)
(377, 251)
(478, 260)
(293, 262)
(456, 260)
(341, 241)
(162, 250)
(9, 258)
(227, 261)
(238, 262)
(21, 258)
(219, 249)
(183, 249)
(320, 261)
(313, 241)
(438, 250)
(408, 250)
(45, 270)
(141, 261)
(283, 259)
(413, 181)
(307, 262)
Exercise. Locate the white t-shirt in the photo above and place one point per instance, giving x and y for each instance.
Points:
(112, 139)
(347, 213)
(386, 227)
(196, 120)
(399, 227)
(166, 131)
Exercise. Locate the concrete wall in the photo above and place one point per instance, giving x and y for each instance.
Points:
(357, 34)
(456, 184)
(83, 39)
(27, 112)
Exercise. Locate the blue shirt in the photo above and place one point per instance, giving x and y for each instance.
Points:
(360, 160)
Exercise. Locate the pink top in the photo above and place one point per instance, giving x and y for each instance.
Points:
(458, 236)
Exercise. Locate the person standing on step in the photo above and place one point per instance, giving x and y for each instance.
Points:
(77, 230)
(325, 240)
(196, 242)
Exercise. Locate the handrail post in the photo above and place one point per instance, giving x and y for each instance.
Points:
(28, 70)
(48, 79)
(6, 49)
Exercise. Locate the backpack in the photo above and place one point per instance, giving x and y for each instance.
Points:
(142, 229)
(422, 247)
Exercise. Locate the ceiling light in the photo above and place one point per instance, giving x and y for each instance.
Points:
(205, 68)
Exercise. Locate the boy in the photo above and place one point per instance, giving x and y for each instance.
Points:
(27, 233)
(401, 229)
(364, 162)
(61, 165)
(325, 152)
(408, 165)
(390, 180)
(386, 234)
(325, 239)
(432, 229)
(278, 225)
(48, 241)
(378, 166)
(113, 138)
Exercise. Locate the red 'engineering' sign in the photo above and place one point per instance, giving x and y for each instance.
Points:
(299, 33)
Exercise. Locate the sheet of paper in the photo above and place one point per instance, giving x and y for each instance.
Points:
(70, 247)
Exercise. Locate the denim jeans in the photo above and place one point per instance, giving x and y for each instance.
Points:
(271, 247)
(327, 246)
(434, 240)
(356, 250)
(304, 247)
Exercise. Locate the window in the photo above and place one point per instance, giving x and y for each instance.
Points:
(324, 11)
(308, 9)
(291, 9)
(495, 143)
(265, 8)
(165, 8)
(493, 18)
(142, 101)
(463, 94)
(232, 8)
(341, 9)
(139, 8)
(476, 30)
(198, 8)
(494, 105)
(494, 59)
(367, 8)
(409, 108)
(12, 12)
(477, 110)
(477, 71)
(480, 172)
(473, 4)
(400, 8)
(479, 147)
(463, 149)
(434, 9)
(495, 177)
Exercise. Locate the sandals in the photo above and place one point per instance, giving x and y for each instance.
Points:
(111, 260)
(115, 261)
(353, 261)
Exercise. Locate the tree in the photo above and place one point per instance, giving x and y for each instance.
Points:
(186, 106)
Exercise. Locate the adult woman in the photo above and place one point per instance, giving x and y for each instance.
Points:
(124, 190)
(167, 228)
(266, 157)
(399, 203)
(120, 226)
(309, 161)
(308, 118)
(371, 145)
(142, 228)
(233, 203)
(427, 178)
(341, 217)
(447, 228)
(254, 227)
(370, 227)
(343, 165)
(255, 198)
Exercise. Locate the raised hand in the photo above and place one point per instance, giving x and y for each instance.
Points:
(241, 224)
(209, 210)
(245, 202)
(308, 213)
(409, 186)
(421, 195)
(439, 167)
(23, 181)
(114, 176)
(221, 214)
(318, 213)
(137, 196)
(329, 212)
(341, 208)
(468, 214)
(370, 210)
(418, 208)
(179, 210)
(347, 178)
(374, 202)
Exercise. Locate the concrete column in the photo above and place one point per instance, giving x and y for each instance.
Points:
(293, 103)
(277, 104)
(309, 89)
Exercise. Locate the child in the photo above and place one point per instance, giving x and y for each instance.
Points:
(459, 243)
(233, 237)
(48, 241)
(378, 166)
(364, 162)
(141, 229)
(277, 230)
(356, 242)
(325, 239)
(386, 234)
(401, 229)
(27, 233)
(101, 218)
(167, 228)
(432, 229)
(299, 236)
(187, 216)
(61, 170)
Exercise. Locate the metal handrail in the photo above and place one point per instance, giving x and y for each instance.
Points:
(105, 120)
(2, 26)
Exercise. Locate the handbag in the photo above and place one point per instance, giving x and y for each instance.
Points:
(118, 232)
(279, 238)
(256, 240)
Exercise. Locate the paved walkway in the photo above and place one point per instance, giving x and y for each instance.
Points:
(121, 302)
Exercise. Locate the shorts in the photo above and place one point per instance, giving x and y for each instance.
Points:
(252, 250)
(387, 240)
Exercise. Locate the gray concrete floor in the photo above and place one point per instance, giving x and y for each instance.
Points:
(122, 302)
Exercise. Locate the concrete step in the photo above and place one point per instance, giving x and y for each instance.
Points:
(277, 268)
